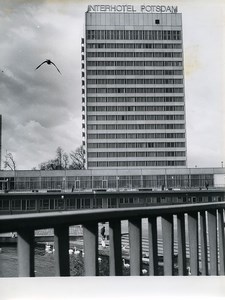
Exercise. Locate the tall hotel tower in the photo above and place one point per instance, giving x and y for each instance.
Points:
(133, 87)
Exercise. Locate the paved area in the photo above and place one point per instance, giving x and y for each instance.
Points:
(73, 231)
(77, 231)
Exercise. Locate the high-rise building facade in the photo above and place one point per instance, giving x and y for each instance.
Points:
(133, 88)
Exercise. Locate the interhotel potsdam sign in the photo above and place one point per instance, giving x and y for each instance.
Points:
(131, 8)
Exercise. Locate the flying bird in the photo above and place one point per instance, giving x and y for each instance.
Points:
(49, 62)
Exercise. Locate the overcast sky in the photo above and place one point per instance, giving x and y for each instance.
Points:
(41, 109)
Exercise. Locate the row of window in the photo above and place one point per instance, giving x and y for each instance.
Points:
(133, 46)
(137, 154)
(131, 63)
(137, 145)
(107, 181)
(134, 99)
(134, 90)
(134, 54)
(102, 136)
(134, 126)
(133, 35)
(115, 117)
(136, 108)
(133, 72)
(135, 81)
(102, 164)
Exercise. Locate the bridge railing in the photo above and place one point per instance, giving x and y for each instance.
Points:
(197, 229)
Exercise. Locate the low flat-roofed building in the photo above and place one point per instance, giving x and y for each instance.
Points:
(129, 178)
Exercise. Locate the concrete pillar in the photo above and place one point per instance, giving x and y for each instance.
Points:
(212, 227)
(181, 245)
(153, 249)
(115, 252)
(221, 241)
(61, 255)
(25, 247)
(204, 250)
(135, 246)
(193, 242)
(90, 232)
(167, 235)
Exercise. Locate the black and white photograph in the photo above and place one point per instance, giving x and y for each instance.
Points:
(112, 149)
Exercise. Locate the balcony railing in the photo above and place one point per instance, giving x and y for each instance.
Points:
(200, 227)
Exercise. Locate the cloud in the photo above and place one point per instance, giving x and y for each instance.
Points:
(41, 109)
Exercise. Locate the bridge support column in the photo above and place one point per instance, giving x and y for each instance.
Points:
(115, 253)
(193, 242)
(90, 231)
(135, 247)
(181, 244)
(61, 256)
(221, 241)
(213, 242)
(153, 248)
(204, 251)
(167, 230)
(26, 253)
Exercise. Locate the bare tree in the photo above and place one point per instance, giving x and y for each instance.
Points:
(77, 158)
(51, 164)
(60, 162)
(9, 162)
(63, 161)
(59, 157)
(65, 158)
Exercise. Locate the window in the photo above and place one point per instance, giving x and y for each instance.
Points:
(112, 163)
(112, 154)
(134, 34)
(122, 154)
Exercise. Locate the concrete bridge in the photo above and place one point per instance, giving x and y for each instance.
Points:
(199, 224)
(36, 202)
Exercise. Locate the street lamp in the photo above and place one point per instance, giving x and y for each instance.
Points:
(117, 182)
(64, 184)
